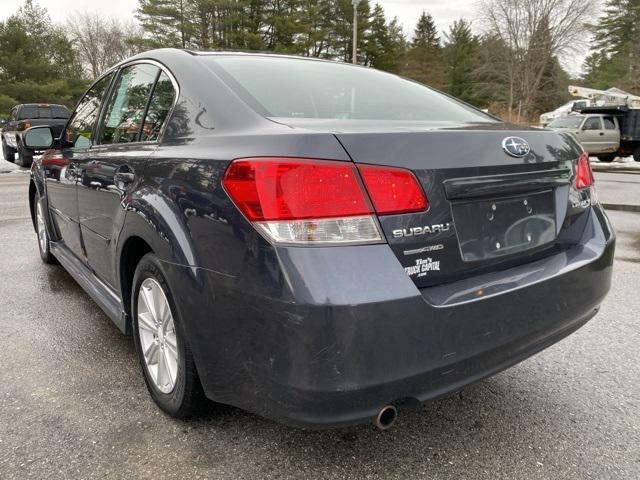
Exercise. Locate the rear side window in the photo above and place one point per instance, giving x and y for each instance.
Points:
(159, 107)
(592, 123)
(27, 111)
(296, 88)
(43, 111)
(609, 124)
(58, 111)
(126, 108)
(80, 128)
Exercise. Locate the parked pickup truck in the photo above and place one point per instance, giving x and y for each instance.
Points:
(598, 134)
(23, 117)
(613, 105)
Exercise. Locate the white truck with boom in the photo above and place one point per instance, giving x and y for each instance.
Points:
(625, 110)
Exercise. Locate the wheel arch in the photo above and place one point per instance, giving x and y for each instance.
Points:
(133, 249)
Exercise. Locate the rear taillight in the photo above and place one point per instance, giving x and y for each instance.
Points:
(584, 174)
(23, 125)
(393, 190)
(304, 201)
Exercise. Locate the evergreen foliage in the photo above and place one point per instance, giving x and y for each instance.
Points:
(37, 61)
(615, 58)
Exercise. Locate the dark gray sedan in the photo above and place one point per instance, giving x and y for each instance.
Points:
(316, 242)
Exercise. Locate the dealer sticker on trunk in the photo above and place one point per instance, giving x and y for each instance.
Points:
(422, 267)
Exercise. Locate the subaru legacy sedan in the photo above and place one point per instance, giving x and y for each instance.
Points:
(315, 242)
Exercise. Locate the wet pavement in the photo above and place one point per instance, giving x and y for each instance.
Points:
(619, 189)
(73, 403)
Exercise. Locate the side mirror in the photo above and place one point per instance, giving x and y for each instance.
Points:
(38, 138)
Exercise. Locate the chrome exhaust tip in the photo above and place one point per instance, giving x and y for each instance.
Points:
(386, 417)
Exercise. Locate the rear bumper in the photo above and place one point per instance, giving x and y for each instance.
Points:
(303, 347)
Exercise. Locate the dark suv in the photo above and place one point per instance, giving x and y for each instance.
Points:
(23, 117)
(314, 241)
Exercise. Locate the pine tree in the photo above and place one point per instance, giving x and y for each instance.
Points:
(424, 59)
(376, 41)
(396, 47)
(37, 61)
(281, 21)
(316, 23)
(168, 23)
(460, 61)
(426, 33)
(341, 35)
(615, 59)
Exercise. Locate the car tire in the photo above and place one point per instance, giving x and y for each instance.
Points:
(44, 244)
(163, 351)
(25, 158)
(8, 153)
(607, 158)
(636, 154)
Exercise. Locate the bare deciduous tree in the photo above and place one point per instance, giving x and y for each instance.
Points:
(534, 33)
(101, 42)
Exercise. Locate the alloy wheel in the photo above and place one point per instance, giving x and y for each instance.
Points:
(157, 334)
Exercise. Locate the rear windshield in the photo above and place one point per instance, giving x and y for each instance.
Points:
(297, 88)
(567, 122)
(43, 111)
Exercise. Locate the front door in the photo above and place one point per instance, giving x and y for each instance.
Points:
(591, 135)
(61, 168)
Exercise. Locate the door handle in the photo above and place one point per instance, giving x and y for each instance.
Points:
(602, 134)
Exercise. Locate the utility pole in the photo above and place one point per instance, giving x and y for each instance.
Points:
(355, 30)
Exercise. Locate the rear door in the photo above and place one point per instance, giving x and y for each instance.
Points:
(611, 137)
(125, 141)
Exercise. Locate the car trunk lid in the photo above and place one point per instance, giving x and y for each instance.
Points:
(488, 209)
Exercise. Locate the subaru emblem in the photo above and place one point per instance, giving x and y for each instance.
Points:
(516, 147)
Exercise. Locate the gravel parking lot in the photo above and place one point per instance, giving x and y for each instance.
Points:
(73, 403)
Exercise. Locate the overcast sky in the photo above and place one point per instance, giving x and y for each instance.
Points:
(407, 11)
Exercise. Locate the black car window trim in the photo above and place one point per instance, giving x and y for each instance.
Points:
(107, 100)
(103, 108)
(146, 107)
(71, 115)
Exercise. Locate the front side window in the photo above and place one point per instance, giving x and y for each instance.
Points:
(79, 130)
(125, 112)
(159, 107)
(592, 123)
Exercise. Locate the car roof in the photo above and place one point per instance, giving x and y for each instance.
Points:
(40, 105)
(166, 54)
(245, 53)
